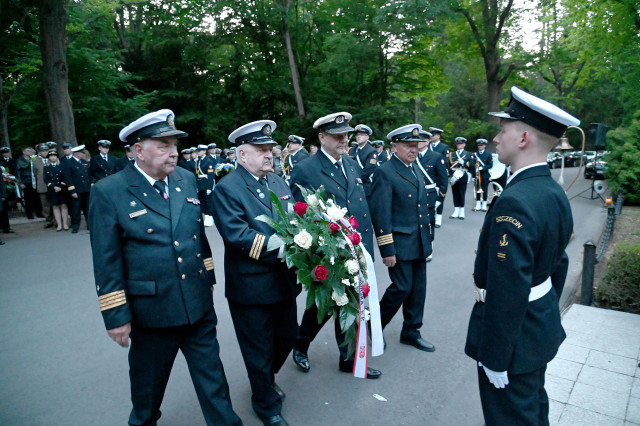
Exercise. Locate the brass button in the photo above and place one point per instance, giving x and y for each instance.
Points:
(198, 255)
(184, 276)
(420, 226)
(360, 198)
(418, 205)
(195, 237)
(419, 215)
(175, 243)
(98, 287)
(179, 260)
(409, 195)
(149, 231)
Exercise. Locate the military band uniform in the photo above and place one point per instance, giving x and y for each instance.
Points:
(401, 221)
(443, 149)
(516, 251)
(433, 164)
(259, 287)
(53, 177)
(205, 180)
(76, 176)
(459, 189)
(349, 193)
(292, 159)
(484, 161)
(153, 268)
(102, 166)
(367, 159)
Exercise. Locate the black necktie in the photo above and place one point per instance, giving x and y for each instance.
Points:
(263, 182)
(161, 186)
(413, 171)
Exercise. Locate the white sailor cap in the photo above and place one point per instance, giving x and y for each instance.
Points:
(537, 113)
(481, 141)
(201, 147)
(105, 143)
(408, 133)
(256, 133)
(193, 149)
(211, 145)
(77, 148)
(435, 130)
(295, 139)
(363, 128)
(425, 135)
(460, 139)
(186, 151)
(153, 125)
(378, 143)
(334, 124)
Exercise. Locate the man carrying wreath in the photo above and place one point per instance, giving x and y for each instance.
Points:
(260, 289)
(340, 176)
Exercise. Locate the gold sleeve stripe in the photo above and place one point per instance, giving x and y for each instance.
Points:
(385, 239)
(112, 305)
(111, 295)
(112, 300)
(256, 248)
(208, 263)
(71, 188)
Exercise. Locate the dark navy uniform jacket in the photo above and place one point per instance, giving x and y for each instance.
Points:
(487, 160)
(382, 157)
(367, 160)
(100, 169)
(442, 148)
(152, 261)
(522, 242)
(320, 171)
(293, 159)
(53, 176)
(253, 275)
(400, 214)
(76, 176)
(434, 164)
(205, 173)
(187, 165)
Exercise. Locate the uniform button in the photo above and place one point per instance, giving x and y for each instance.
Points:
(184, 276)
(348, 201)
(420, 226)
(419, 215)
(195, 237)
(366, 230)
(149, 231)
(418, 205)
(175, 243)
(200, 271)
(409, 195)
(179, 260)
(98, 287)
(198, 255)
(199, 220)
(360, 198)
(365, 215)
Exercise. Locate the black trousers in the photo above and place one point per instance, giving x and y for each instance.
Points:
(484, 184)
(31, 201)
(205, 203)
(153, 351)
(408, 289)
(265, 334)
(4, 215)
(522, 402)
(458, 191)
(80, 205)
(309, 329)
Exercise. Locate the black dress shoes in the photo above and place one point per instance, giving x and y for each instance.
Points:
(418, 342)
(279, 391)
(9, 231)
(372, 373)
(74, 230)
(274, 420)
(302, 360)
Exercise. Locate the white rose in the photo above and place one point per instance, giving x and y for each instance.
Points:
(367, 315)
(321, 241)
(346, 282)
(303, 239)
(312, 200)
(352, 266)
(293, 222)
(340, 300)
(332, 260)
(335, 213)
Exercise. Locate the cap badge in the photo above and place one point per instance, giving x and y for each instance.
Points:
(170, 121)
(340, 119)
(266, 129)
(416, 132)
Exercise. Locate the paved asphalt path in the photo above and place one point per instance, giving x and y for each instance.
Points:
(58, 366)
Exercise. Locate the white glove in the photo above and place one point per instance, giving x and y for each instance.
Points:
(438, 204)
(208, 192)
(499, 379)
(461, 161)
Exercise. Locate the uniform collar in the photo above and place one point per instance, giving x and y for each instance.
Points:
(523, 169)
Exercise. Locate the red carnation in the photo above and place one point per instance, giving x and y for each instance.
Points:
(365, 290)
(354, 238)
(320, 272)
(300, 208)
(334, 227)
(353, 222)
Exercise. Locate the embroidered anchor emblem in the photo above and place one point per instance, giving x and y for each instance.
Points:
(503, 241)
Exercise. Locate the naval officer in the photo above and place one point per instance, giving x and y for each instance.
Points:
(261, 290)
(154, 272)
(401, 221)
(340, 176)
(521, 267)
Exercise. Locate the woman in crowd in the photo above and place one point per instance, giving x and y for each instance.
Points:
(56, 190)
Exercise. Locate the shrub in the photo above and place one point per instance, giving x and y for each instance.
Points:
(623, 171)
(620, 286)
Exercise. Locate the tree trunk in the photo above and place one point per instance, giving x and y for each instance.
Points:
(53, 19)
(4, 112)
(292, 62)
